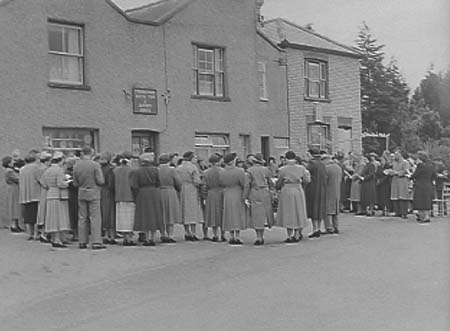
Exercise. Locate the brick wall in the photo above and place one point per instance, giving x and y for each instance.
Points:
(344, 97)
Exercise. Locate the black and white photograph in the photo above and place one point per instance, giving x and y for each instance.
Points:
(225, 165)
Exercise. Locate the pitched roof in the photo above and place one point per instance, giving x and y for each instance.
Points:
(151, 12)
(288, 34)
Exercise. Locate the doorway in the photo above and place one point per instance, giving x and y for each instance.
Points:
(265, 147)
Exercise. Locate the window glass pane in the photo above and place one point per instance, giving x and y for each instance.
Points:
(205, 59)
(219, 141)
(323, 91)
(66, 68)
(219, 85)
(72, 40)
(55, 38)
(218, 59)
(323, 71)
(205, 84)
(314, 71)
(313, 89)
(202, 140)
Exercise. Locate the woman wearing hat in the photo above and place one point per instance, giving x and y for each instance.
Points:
(191, 212)
(57, 208)
(292, 213)
(233, 179)
(145, 185)
(259, 198)
(12, 196)
(423, 178)
(123, 197)
(44, 163)
(170, 204)
(368, 186)
(399, 185)
(107, 203)
(214, 198)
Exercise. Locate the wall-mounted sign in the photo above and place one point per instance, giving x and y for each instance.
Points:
(145, 101)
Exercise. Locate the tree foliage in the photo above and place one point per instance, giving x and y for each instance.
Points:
(421, 122)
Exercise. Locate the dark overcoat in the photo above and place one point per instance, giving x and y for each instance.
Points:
(423, 186)
(316, 191)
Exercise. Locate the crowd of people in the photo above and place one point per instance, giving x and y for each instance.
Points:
(94, 199)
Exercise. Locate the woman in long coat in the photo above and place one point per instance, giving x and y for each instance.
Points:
(12, 194)
(191, 211)
(333, 196)
(44, 163)
(107, 203)
(316, 192)
(368, 186)
(170, 204)
(233, 179)
(399, 186)
(123, 196)
(292, 213)
(423, 187)
(57, 208)
(73, 198)
(355, 190)
(145, 185)
(384, 184)
(214, 198)
(258, 193)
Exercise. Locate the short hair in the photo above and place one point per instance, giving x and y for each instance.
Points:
(290, 155)
(30, 158)
(86, 150)
(6, 161)
(188, 156)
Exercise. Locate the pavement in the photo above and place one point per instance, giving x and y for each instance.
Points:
(378, 274)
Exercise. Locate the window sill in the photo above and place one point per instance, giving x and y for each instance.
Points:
(69, 86)
(211, 98)
(317, 99)
(263, 99)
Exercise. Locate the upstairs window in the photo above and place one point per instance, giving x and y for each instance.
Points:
(208, 71)
(262, 82)
(65, 44)
(316, 79)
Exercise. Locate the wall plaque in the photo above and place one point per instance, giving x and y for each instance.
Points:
(145, 101)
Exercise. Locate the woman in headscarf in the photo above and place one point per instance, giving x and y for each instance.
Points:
(107, 204)
(57, 208)
(170, 204)
(191, 211)
(423, 178)
(123, 196)
(214, 198)
(145, 184)
(259, 197)
(233, 179)
(12, 195)
(292, 213)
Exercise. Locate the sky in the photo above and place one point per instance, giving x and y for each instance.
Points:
(416, 32)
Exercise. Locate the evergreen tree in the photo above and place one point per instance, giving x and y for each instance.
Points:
(383, 88)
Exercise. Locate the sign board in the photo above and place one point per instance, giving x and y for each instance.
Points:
(145, 101)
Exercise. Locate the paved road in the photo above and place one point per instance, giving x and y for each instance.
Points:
(379, 274)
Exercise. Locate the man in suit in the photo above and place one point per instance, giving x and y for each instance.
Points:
(88, 176)
(333, 189)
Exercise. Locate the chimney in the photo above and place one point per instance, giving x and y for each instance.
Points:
(259, 17)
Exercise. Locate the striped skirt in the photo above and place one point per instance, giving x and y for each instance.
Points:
(125, 216)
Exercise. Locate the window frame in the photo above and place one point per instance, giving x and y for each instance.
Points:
(208, 144)
(217, 72)
(325, 137)
(322, 80)
(80, 56)
(262, 80)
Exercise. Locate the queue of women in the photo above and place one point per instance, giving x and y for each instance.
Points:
(394, 184)
(96, 199)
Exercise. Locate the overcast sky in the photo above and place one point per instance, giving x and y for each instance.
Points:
(416, 32)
